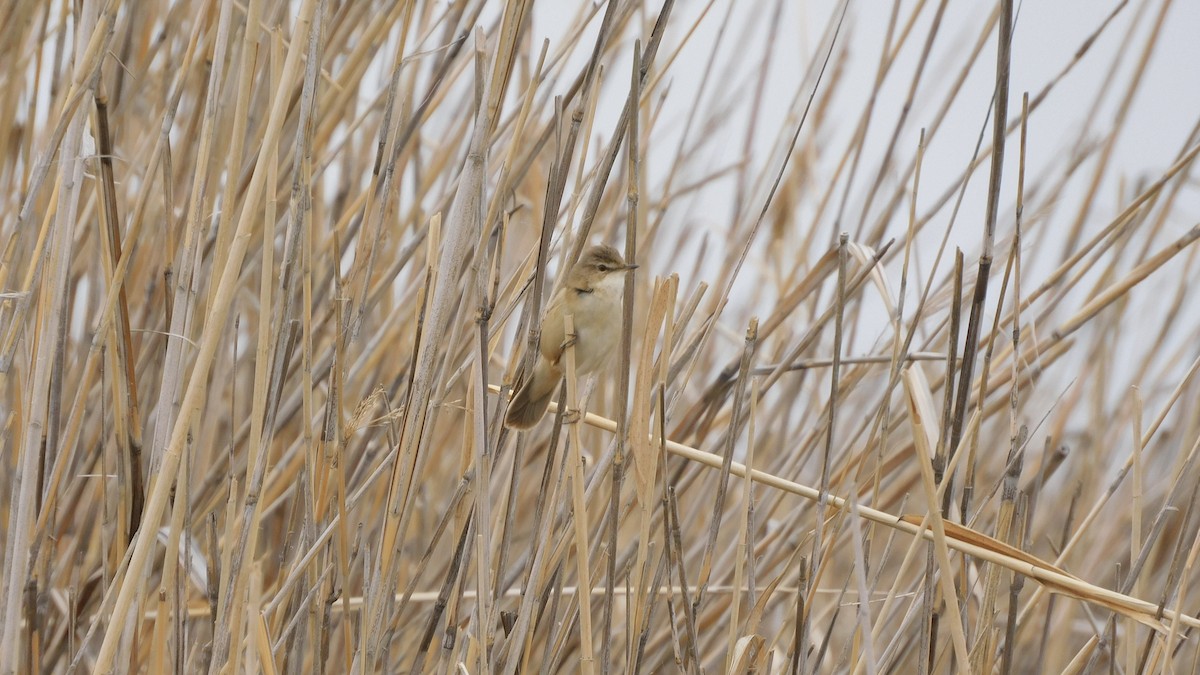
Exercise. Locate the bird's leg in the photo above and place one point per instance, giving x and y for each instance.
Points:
(571, 416)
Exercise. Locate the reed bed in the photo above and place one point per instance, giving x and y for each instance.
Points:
(883, 402)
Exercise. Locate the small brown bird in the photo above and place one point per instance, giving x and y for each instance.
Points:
(592, 295)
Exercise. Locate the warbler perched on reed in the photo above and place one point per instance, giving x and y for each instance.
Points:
(592, 295)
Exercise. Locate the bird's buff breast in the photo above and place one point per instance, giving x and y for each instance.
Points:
(597, 320)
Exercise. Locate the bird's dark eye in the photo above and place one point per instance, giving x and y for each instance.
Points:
(602, 267)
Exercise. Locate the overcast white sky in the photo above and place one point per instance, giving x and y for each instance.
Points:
(1047, 35)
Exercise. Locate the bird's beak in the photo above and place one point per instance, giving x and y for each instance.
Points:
(631, 267)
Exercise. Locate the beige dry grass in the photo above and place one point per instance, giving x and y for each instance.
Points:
(269, 270)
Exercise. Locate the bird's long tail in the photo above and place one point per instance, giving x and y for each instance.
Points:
(533, 397)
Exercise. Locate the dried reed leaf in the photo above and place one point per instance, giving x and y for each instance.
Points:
(644, 450)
